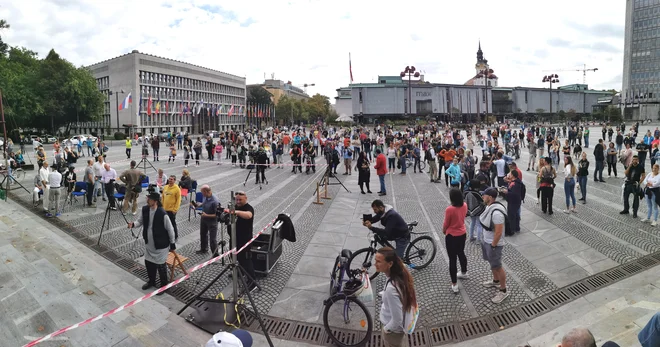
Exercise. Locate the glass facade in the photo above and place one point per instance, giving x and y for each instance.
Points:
(645, 60)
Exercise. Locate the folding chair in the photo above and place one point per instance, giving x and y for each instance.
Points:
(145, 182)
(120, 193)
(199, 198)
(79, 190)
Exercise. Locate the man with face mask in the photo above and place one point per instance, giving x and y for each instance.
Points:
(634, 176)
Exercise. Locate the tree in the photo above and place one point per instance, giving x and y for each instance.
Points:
(3, 46)
(318, 107)
(572, 115)
(540, 111)
(259, 95)
(562, 115)
(285, 109)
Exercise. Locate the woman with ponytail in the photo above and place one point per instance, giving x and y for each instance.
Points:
(398, 297)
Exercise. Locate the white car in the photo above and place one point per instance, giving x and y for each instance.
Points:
(74, 140)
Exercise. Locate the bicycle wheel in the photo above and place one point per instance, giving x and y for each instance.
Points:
(408, 163)
(422, 165)
(334, 277)
(347, 312)
(364, 259)
(421, 252)
(19, 175)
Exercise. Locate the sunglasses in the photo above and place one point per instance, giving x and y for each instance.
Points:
(239, 193)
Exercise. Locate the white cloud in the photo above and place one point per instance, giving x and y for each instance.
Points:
(309, 41)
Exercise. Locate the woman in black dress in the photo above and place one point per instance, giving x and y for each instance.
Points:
(362, 167)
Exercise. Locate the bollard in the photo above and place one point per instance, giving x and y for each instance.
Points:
(325, 192)
(318, 195)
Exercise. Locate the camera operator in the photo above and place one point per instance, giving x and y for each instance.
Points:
(70, 179)
(108, 177)
(245, 218)
(208, 225)
(131, 178)
(158, 235)
(395, 229)
(261, 160)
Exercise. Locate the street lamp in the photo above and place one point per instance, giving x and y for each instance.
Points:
(551, 78)
(121, 91)
(410, 71)
(487, 74)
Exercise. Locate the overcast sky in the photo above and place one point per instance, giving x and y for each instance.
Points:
(309, 41)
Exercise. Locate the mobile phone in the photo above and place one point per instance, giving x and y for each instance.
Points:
(367, 217)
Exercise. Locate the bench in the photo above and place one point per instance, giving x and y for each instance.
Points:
(175, 260)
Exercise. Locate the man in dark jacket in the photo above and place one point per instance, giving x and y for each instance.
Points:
(599, 154)
(396, 229)
(514, 196)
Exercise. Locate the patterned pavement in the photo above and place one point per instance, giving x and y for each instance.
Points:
(550, 253)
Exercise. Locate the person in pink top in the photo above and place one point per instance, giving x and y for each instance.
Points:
(455, 235)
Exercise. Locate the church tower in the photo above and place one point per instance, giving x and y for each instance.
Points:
(481, 62)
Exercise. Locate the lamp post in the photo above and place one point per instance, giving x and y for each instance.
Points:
(410, 71)
(551, 78)
(487, 74)
(121, 91)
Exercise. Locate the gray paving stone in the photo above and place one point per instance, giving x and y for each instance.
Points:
(536, 250)
(569, 245)
(568, 275)
(314, 266)
(326, 238)
(301, 305)
(312, 283)
(551, 234)
(553, 263)
(522, 238)
(323, 251)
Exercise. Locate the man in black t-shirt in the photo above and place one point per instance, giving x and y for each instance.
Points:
(245, 219)
(634, 176)
(642, 151)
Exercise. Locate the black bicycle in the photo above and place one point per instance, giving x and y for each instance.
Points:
(343, 310)
(418, 255)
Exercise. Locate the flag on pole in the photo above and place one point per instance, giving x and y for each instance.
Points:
(350, 67)
(219, 111)
(260, 114)
(199, 108)
(167, 108)
(158, 106)
(149, 103)
(231, 111)
(127, 101)
(173, 108)
(240, 110)
(140, 107)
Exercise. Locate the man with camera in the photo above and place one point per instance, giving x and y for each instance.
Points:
(244, 223)
(108, 178)
(159, 239)
(396, 229)
(261, 161)
(131, 178)
(208, 225)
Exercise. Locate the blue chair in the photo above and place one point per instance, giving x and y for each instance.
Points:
(79, 190)
(199, 198)
(145, 182)
(119, 195)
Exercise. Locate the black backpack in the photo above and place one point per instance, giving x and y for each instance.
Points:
(475, 203)
(507, 225)
(523, 191)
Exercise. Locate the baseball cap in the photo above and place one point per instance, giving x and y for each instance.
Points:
(236, 338)
(490, 191)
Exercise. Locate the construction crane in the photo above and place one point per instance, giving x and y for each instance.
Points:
(583, 69)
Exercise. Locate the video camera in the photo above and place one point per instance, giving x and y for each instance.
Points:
(222, 216)
(151, 188)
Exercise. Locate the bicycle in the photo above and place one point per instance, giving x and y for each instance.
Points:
(411, 161)
(343, 316)
(415, 250)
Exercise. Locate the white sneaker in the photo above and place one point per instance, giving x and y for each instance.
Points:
(490, 284)
(566, 211)
(499, 297)
(654, 223)
(462, 275)
(454, 288)
(644, 220)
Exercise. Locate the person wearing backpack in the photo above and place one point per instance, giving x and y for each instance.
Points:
(399, 310)
(547, 177)
(475, 207)
(493, 220)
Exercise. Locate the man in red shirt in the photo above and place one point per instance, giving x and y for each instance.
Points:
(381, 170)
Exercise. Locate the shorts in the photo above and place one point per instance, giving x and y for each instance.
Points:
(492, 255)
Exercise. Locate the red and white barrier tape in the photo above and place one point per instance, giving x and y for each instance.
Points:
(148, 296)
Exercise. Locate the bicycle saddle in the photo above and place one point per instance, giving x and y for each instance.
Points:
(413, 224)
(346, 253)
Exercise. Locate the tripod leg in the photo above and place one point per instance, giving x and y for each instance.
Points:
(254, 307)
(222, 273)
(106, 218)
(247, 177)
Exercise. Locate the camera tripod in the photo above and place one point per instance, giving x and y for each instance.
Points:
(106, 220)
(326, 178)
(144, 161)
(256, 166)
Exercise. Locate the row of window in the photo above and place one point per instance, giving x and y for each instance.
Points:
(650, 42)
(647, 12)
(645, 3)
(188, 83)
(103, 82)
(188, 95)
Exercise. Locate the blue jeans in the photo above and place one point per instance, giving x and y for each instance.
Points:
(403, 164)
(475, 227)
(649, 336)
(401, 245)
(569, 191)
(652, 208)
(582, 181)
(618, 147)
(586, 141)
(381, 178)
(598, 172)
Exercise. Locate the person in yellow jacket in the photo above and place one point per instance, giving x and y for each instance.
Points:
(129, 144)
(172, 201)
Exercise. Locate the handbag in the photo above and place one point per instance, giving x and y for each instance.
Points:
(366, 294)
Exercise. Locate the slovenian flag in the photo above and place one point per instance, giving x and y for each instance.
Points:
(126, 102)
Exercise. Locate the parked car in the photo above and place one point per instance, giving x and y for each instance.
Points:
(74, 140)
(49, 138)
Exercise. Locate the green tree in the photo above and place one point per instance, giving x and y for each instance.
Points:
(259, 95)
(318, 107)
(540, 111)
(3, 46)
(285, 109)
(562, 115)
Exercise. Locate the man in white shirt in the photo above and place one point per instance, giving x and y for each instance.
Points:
(43, 177)
(98, 173)
(492, 220)
(500, 164)
(108, 177)
(55, 183)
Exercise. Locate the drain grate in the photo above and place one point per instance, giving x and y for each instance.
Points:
(126, 263)
(470, 329)
(346, 337)
(141, 272)
(112, 255)
(632, 268)
(647, 261)
(307, 333)
(597, 281)
(507, 318)
(657, 256)
(277, 327)
(578, 289)
(443, 334)
(76, 235)
(533, 309)
(615, 275)
(88, 242)
(375, 340)
(558, 298)
(100, 248)
(418, 338)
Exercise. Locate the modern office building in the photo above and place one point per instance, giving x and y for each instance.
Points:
(181, 96)
(278, 88)
(640, 93)
(389, 99)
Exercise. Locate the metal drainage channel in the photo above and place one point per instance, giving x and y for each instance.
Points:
(422, 337)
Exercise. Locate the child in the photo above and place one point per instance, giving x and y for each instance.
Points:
(234, 155)
(218, 152)
(172, 153)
